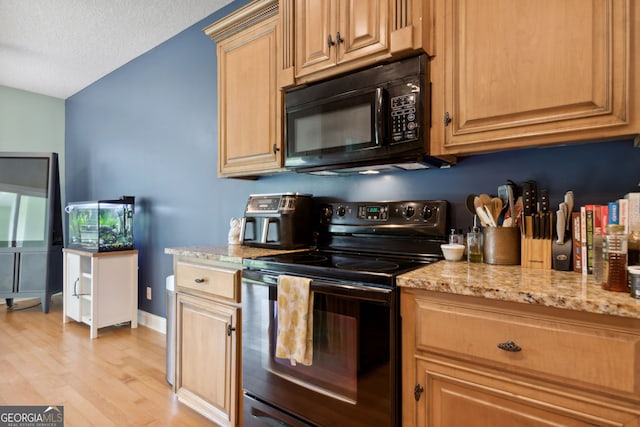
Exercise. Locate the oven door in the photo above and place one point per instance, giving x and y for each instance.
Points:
(352, 380)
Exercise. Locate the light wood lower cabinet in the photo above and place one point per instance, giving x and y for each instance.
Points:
(472, 362)
(207, 371)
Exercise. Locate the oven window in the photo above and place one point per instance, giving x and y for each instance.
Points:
(350, 339)
(334, 369)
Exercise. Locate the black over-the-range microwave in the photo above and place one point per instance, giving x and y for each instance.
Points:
(373, 119)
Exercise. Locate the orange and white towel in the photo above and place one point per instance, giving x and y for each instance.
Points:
(295, 320)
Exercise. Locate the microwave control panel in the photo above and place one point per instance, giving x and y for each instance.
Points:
(404, 125)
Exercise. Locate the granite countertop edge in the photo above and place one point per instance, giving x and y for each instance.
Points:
(550, 288)
(225, 252)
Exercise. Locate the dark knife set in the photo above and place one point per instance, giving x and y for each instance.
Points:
(543, 245)
(537, 220)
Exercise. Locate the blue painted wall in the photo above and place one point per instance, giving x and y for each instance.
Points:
(149, 129)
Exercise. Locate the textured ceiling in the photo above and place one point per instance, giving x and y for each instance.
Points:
(58, 47)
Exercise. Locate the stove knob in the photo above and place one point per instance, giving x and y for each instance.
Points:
(341, 211)
(408, 211)
(327, 213)
(427, 212)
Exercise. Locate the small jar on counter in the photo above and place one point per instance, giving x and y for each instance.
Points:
(456, 237)
(634, 244)
(615, 271)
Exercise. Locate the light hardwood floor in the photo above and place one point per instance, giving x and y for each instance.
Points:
(117, 379)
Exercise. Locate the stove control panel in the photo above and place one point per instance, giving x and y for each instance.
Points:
(401, 217)
(373, 212)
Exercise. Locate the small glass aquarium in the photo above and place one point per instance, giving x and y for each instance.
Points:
(101, 226)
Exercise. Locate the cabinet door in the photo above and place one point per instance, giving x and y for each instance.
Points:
(7, 265)
(337, 32)
(206, 373)
(72, 285)
(461, 396)
(249, 102)
(315, 30)
(363, 28)
(33, 271)
(516, 73)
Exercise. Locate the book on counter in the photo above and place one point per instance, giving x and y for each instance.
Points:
(583, 238)
(592, 219)
(577, 242)
(590, 212)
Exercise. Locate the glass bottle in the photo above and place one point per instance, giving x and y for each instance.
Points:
(616, 266)
(475, 250)
(598, 258)
(634, 244)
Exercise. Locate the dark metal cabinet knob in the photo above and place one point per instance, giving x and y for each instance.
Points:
(417, 391)
(330, 41)
(199, 280)
(509, 346)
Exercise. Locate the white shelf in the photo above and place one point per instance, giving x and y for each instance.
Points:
(107, 288)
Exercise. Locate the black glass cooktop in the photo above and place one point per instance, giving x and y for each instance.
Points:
(322, 264)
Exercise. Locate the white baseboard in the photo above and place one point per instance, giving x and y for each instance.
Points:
(153, 321)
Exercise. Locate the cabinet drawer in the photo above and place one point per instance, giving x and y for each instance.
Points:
(216, 281)
(588, 354)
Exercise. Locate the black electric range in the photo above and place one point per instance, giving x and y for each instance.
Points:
(353, 377)
(367, 242)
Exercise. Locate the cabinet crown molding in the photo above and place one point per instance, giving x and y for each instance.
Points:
(241, 19)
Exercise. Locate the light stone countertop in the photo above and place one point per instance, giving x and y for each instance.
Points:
(226, 253)
(559, 289)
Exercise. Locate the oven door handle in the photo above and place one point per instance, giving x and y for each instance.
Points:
(269, 279)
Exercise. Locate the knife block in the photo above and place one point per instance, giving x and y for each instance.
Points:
(562, 255)
(535, 253)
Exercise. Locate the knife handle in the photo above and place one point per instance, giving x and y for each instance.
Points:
(544, 200)
(560, 225)
(526, 199)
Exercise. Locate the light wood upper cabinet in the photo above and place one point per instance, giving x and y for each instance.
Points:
(249, 99)
(330, 32)
(516, 73)
(322, 38)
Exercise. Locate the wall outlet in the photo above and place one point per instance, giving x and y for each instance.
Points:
(148, 292)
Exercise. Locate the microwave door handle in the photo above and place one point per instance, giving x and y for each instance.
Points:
(378, 115)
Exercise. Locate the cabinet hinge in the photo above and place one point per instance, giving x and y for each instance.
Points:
(447, 119)
(417, 391)
(230, 329)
